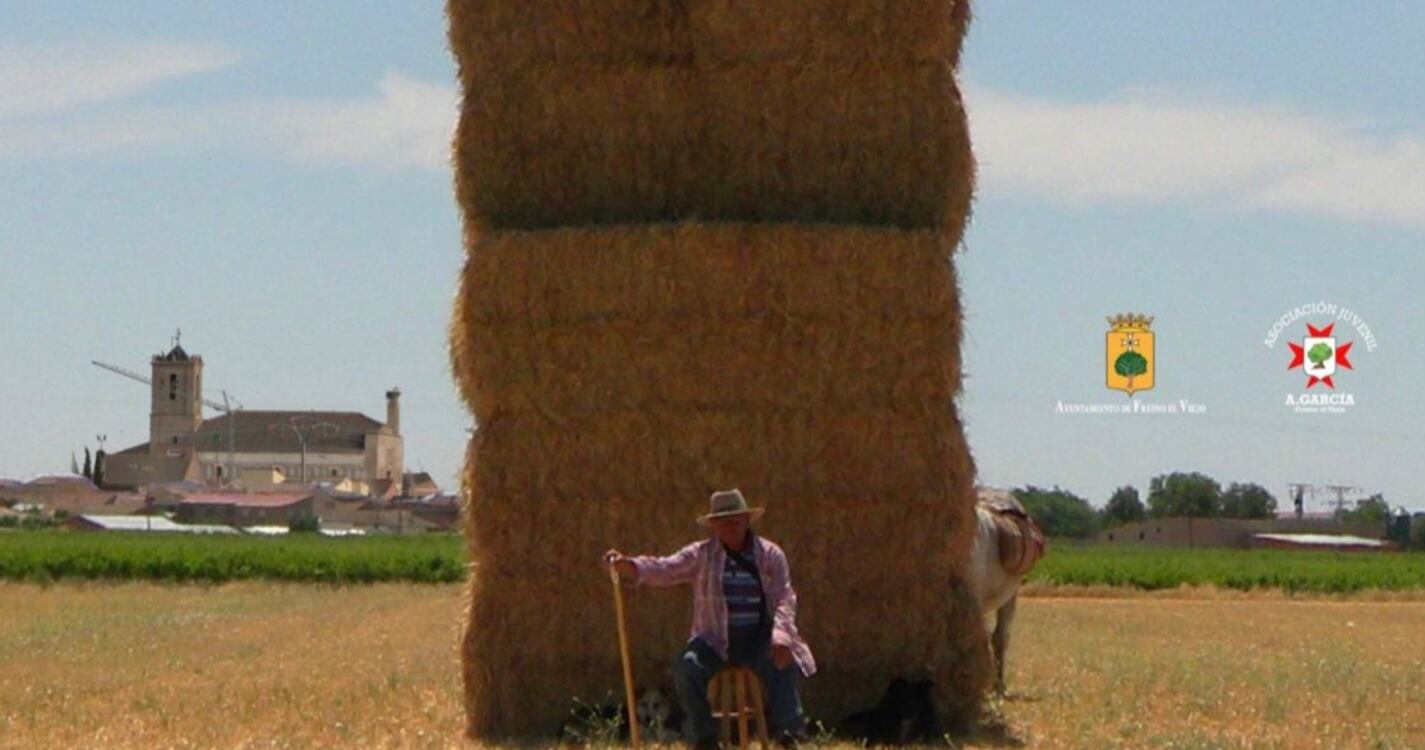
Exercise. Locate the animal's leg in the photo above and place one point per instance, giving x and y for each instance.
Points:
(1000, 640)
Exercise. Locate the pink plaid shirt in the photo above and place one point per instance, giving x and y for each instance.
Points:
(701, 564)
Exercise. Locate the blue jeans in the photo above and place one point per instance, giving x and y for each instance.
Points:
(696, 666)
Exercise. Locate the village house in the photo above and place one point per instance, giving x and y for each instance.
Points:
(1232, 532)
(133, 524)
(236, 509)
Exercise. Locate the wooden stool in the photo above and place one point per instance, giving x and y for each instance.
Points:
(728, 694)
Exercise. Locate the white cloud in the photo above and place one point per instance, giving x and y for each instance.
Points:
(1149, 149)
(1127, 149)
(50, 108)
(42, 79)
(76, 138)
(407, 125)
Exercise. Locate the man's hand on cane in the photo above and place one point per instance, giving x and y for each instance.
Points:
(627, 571)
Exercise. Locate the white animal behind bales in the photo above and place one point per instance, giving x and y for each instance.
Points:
(1007, 544)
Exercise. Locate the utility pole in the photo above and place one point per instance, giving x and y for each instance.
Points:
(1341, 490)
(232, 438)
(304, 427)
(1298, 491)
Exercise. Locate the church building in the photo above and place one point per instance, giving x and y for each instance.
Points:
(235, 448)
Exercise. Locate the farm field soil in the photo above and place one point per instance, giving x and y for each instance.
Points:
(300, 665)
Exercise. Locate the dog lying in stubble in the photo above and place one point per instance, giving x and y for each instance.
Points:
(905, 715)
(659, 719)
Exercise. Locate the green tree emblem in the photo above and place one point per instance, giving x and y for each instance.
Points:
(1129, 364)
(1318, 355)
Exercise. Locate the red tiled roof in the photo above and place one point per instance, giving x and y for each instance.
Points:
(101, 503)
(294, 487)
(258, 500)
(271, 432)
(53, 479)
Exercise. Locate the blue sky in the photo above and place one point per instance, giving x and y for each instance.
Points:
(271, 177)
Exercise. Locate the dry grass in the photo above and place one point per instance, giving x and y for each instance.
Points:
(286, 665)
(1250, 673)
(239, 665)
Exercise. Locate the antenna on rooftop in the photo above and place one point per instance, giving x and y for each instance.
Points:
(303, 427)
(1341, 490)
(1300, 490)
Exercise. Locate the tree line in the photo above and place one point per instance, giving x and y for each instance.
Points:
(1062, 513)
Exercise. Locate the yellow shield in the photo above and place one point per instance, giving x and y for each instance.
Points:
(1129, 365)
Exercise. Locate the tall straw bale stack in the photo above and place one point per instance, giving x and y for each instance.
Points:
(709, 245)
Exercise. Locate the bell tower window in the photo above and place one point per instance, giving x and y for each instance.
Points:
(173, 387)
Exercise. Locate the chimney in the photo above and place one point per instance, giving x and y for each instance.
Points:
(393, 410)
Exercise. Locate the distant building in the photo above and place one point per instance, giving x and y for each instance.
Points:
(418, 484)
(440, 510)
(244, 510)
(42, 489)
(184, 446)
(71, 494)
(1228, 532)
(157, 524)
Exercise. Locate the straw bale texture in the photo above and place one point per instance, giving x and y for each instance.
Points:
(584, 320)
(485, 32)
(541, 628)
(629, 112)
(620, 374)
(709, 245)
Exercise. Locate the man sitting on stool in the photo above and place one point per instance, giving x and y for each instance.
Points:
(744, 614)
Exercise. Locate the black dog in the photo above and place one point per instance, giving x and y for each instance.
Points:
(905, 715)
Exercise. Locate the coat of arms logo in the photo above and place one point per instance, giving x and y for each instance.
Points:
(1319, 356)
(1129, 365)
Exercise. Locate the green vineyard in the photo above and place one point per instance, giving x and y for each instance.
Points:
(438, 558)
(52, 555)
(1292, 571)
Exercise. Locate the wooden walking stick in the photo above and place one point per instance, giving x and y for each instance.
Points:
(627, 662)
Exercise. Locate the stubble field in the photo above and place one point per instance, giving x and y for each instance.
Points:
(299, 665)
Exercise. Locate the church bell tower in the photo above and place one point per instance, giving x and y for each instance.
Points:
(177, 398)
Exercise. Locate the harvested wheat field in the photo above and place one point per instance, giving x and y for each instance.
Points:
(284, 665)
(293, 665)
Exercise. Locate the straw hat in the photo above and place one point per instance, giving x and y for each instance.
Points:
(728, 503)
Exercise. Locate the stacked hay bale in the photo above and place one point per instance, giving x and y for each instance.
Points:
(708, 246)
